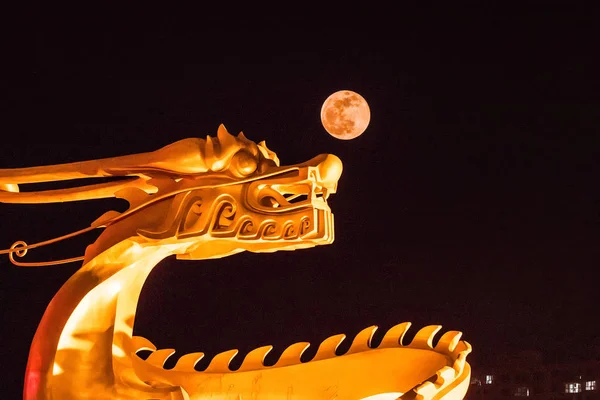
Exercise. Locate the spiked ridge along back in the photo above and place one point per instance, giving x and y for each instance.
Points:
(448, 381)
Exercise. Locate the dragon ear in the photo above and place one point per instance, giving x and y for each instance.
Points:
(225, 138)
(221, 130)
(268, 154)
(247, 143)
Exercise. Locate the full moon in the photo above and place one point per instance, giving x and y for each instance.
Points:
(345, 114)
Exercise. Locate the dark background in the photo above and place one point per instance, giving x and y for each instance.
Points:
(471, 201)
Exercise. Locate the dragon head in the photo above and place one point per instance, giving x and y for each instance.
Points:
(221, 196)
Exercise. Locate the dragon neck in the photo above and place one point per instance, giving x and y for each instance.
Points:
(84, 337)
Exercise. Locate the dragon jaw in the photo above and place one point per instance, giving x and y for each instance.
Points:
(84, 346)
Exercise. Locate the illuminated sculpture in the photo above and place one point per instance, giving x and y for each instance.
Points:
(201, 199)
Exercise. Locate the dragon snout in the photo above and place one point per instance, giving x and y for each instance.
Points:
(329, 168)
(330, 171)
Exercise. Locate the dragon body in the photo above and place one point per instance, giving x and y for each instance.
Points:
(201, 199)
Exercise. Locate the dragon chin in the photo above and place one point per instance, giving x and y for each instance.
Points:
(202, 199)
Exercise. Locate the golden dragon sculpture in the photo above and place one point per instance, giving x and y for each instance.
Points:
(201, 199)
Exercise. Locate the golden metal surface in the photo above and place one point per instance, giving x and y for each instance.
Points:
(201, 199)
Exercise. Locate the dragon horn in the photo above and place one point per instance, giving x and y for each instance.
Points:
(68, 171)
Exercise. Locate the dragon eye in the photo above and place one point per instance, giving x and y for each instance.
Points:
(243, 164)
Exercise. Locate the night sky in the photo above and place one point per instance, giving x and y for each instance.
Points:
(471, 201)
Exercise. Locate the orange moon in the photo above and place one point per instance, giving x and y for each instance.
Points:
(345, 114)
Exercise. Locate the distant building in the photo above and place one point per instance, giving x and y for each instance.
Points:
(526, 375)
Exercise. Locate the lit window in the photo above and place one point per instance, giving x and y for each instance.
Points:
(489, 379)
(573, 387)
(590, 385)
(522, 391)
